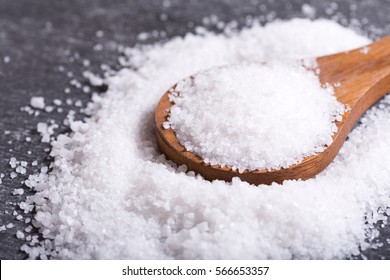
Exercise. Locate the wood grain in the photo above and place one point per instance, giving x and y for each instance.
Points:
(364, 78)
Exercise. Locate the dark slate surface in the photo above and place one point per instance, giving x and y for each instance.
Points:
(39, 36)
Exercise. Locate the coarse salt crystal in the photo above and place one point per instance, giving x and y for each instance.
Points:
(19, 234)
(6, 59)
(37, 102)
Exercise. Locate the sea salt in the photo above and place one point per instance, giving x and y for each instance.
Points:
(19, 234)
(364, 50)
(110, 194)
(57, 102)
(9, 225)
(93, 79)
(99, 33)
(308, 10)
(18, 192)
(6, 59)
(270, 116)
(37, 102)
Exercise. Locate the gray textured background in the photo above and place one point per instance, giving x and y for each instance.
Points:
(39, 34)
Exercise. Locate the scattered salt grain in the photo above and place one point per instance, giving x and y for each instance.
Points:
(57, 102)
(86, 89)
(6, 59)
(98, 47)
(143, 36)
(19, 234)
(78, 103)
(20, 170)
(308, 10)
(10, 225)
(93, 79)
(86, 63)
(37, 102)
(99, 33)
(3, 228)
(49, 109)
(18, 192)
(364, 50)
(163, 17)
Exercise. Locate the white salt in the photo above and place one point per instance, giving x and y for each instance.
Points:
(9, 225)
(86, 63)
(308, 10)
(19, 234)
(57, 102)
(143, 36)
(6, 59)
(364, 50)
(98, 47)
(99, 33)
(86, 89)
(46, 130)
(18, 192)
(49, 109)
(110, 193)
(37, 102)
(254, 116)
(93, 79)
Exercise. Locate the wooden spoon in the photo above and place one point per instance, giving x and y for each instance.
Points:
(364, 77)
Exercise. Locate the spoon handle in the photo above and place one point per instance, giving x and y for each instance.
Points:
(363, 74)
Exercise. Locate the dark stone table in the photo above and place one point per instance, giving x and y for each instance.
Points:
(40, 35)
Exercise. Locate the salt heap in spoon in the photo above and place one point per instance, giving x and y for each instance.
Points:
(254, 116)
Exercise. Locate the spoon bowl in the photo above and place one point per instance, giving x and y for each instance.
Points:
(362, 76)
